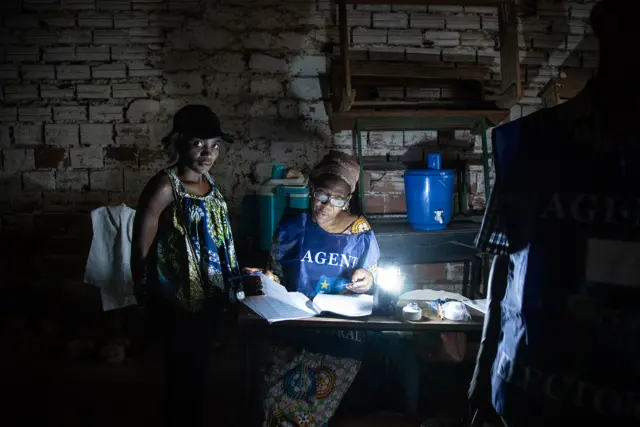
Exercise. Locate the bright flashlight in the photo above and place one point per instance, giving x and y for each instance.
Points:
(390, 279)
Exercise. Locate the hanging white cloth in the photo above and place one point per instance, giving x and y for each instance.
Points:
(108, 265)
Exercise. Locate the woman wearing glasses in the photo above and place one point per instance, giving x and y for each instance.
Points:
(327, 249)
(324, 250)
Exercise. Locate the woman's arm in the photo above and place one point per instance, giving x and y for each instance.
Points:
(286, 244)
(274, 265)
(155, 197)
(363, 276)
(497, 286)
(273, 270)
(234, 287)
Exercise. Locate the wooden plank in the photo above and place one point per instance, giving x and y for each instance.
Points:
(426, 119)
(247, 317)
(348, 95)
(509, 57)
(549, 94)
(573, 82)
(413, 70)
(437, 2)
(405, 104)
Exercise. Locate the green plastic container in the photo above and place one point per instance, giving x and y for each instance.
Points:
(276, 196)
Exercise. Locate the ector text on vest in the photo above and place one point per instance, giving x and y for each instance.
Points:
(571, 390)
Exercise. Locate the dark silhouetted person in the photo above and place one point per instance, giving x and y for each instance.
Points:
(561, 339)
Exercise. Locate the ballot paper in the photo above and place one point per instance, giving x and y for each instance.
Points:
(479, 304)
(277, 304)
(354, 305)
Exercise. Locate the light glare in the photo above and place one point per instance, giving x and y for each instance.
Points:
(390, 279)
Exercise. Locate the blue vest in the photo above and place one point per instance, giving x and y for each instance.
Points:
(315, 261)
(571, 312)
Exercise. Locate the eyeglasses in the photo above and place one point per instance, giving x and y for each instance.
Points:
(324, 198)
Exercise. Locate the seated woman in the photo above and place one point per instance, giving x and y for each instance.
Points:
(325, 250)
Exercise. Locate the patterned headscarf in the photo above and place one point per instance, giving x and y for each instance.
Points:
(339, 165)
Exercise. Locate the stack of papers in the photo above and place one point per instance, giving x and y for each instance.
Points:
(277, 304)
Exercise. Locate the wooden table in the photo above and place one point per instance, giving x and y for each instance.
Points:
(430, 323)
(254, 330)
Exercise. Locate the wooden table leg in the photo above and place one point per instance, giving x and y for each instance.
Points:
(254, 343)
(248, 400)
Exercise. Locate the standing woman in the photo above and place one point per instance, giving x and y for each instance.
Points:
(183, 258)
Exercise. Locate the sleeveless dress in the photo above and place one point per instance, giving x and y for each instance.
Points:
(193, 256)
(571, 213)
(310, 372)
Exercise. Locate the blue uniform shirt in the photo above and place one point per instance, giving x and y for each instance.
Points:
(566, 210)
(310, 260)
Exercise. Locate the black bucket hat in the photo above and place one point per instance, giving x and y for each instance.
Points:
(198, 121)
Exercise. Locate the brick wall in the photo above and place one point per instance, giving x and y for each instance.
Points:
(88, 89)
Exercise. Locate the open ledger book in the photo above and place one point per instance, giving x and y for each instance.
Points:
(278, 304)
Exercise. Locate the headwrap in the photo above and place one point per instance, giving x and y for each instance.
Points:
(340, 165)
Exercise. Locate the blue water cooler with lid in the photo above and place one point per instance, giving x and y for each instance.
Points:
(429, 194)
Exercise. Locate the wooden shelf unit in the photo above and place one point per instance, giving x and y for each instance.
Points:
(557, 91)
(436, 2)
(476, 121)
(418, 119)
(413, 73)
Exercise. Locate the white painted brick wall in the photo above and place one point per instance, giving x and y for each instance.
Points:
(106, 75)
(64, 135)
(74, 113)
(387, 53)
(405, 37)
(390, 20)
(28, 134)
(427, 21)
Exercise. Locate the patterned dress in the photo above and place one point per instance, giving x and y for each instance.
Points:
(193, 256)
(309, 373)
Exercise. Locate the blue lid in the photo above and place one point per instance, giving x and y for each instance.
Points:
(428, 172)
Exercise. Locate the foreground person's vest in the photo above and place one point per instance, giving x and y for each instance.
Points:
(571, 313)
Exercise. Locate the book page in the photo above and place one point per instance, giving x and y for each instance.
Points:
(275, 310)
(273, 289)
(356, 305)
(277, 304)
(303, 303)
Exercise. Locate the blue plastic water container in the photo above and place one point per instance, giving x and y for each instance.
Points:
(275, 197)
(429, 194)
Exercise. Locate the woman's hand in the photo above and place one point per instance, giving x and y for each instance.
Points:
(253, 285)
(361, 281)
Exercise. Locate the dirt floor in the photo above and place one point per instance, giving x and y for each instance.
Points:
(97, 396)
(126, 395)
(81, 394)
